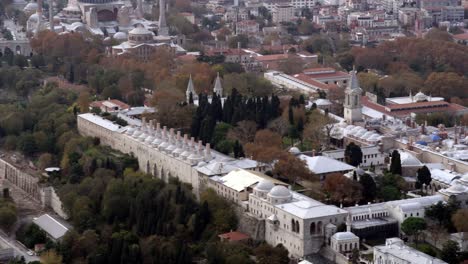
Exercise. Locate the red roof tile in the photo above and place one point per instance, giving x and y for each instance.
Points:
(234, 236)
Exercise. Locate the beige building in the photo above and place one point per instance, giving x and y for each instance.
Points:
(283, 13)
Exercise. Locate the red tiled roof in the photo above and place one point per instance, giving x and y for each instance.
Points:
(405, 109)
(272, 57)
(305, 78)
(119, 103)
(463, 36)
(234, 236)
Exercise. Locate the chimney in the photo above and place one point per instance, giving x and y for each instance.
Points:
(192, 143)
(207, 152)
(200, 147)
(238, 45)
(313, 153)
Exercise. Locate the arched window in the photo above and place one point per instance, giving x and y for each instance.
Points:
(319, 227)
(297, 227)
(312, 228)
(293, 225)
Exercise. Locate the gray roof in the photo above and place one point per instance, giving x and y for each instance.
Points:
(353, 83)
(51, 226)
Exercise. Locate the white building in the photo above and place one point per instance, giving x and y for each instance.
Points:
(322, 165)
(298, 222)
(283, 13)
(344, 242)
(371, 155)
(396, 252)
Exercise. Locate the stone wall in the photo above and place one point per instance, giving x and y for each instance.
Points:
(45, 195)
(250, 225)
(24, 181)
(50, 199)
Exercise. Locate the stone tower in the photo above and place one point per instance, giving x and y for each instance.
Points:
(218, 88)
(163, 29)
(191, 89)
(352, 104)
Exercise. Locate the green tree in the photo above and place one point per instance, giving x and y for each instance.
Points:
(353, 154)
(395, 165)
(412, 226)
(449, 252)
(390, 193)
(267, 254)
(355, 256)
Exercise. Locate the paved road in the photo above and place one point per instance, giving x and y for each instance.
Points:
(20, 250)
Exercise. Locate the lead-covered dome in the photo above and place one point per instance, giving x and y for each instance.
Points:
(264, 186)
(279, 191)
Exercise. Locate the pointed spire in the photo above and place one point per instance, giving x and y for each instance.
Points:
(218, 88)
(191, 89)
(51, 15)
(163, 29)
(353, 82)
(139, 9)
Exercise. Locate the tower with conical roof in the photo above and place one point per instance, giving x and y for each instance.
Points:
(352, 104)
(218, 88)
(191, 90)
(163, 29)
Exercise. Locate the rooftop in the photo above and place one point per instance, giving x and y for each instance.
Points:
(96, 119)
(234, 236)
(240, 179)
(51, 226)
(399, 249)
(322, 164)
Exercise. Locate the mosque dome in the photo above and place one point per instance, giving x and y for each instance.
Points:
(408, 159)
(456, 188)
(130, 130)
(279, 191)
(294, 150)
(344, 236)
(264, 186)
(140, 31)
(420, 97)
(30, 8)
(120, 36)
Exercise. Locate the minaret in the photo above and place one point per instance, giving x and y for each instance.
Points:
(139, 9)
(191, 89)
(352, 104)
(163, 29)
(218, 88)
(40, 22)
(51, 15)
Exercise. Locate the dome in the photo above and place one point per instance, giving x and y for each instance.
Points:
(465, 178)
(76, 25)
(279, 191)
(201, 164)
(294, 150)
(136, 133)
(435, 137)
(120, 36)
(149, 139)
(344, 236)
(419, 97)
(130, 130)
(456, 188)
(140, 31)
(31, 7)
(409, 160)
(264, 186)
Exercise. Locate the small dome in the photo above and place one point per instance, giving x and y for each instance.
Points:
(201, 164)
(294, 150)
(31, 7)
(140, 31)
(279, 191)
(420, 97)
(344, 236)
(264, 186)
(456, 188)
(120, 36)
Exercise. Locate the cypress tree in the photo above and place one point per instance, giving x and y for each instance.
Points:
(301, 99)
(290, 115)
(395, 165)
(190, 101)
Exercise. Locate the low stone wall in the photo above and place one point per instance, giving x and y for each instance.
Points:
(250, 225)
